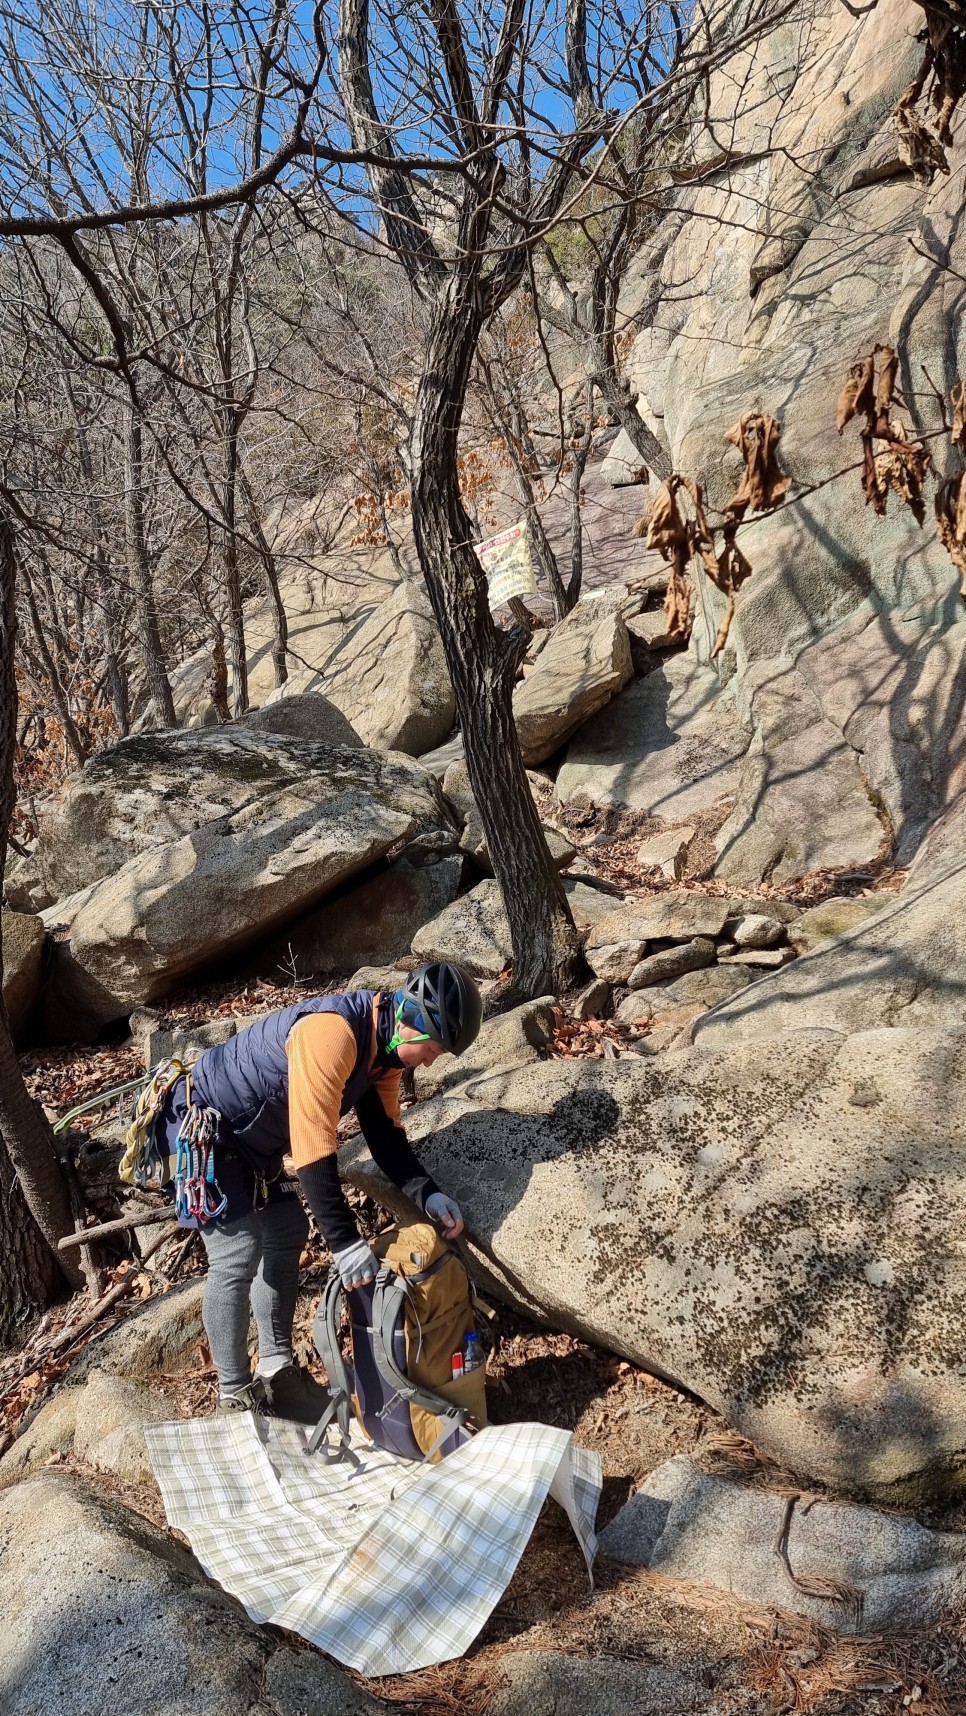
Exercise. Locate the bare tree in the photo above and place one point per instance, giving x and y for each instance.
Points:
(485, 97)
(34, 1207)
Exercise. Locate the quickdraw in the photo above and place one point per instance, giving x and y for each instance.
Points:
(197, 1194)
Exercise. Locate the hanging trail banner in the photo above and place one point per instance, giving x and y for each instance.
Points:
(506, 561)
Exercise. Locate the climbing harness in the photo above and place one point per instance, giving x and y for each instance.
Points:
(191, 1170)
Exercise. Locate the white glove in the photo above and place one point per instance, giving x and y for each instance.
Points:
(445, 1213)
(356, 1265)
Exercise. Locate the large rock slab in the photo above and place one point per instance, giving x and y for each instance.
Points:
(304, 715)
(109, 1433)
(326, 601)
(311, 818)
(474, 931)
(390, 678)
(903, 966)
(585, 662)
(99, 1609)
(155, 788)
(23, 953)
(669, 745)
(623, 466)
(544, 1684)
(778, 1228)
(676, 915)
(373, 924)
(891, 1572)
(853, 615)
(802, 801)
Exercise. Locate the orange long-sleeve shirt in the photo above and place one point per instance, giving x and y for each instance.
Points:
(321, 1050)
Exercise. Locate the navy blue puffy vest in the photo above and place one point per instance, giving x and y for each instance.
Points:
(246, 1079)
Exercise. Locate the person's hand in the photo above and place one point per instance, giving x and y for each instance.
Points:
(357, 1265)
(445, 1213)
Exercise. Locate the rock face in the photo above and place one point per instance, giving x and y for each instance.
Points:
(304, 716)
(473, 930)
(687, 1525)
(848, 637)
(232, 833)
(390, 678)
(902, 966)
(585, 662)
(541, 1684)
(374, 923)
(100, 1610)
(777, 1227)
(669, 745)
(23, 952)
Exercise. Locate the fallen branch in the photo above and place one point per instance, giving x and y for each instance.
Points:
(67, 1336)
(83, 1236)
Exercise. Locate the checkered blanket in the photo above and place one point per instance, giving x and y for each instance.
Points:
(385, 1564)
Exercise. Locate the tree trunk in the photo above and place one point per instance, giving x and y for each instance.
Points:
(30, 1278)
(280, 640)
(482, 660)
(26, 1141)
(233, 591)
(57, 689)
(581, 452)
(110, 628)
(139, 568)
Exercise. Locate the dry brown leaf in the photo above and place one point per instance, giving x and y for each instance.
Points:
(677, 606)
(725, 627)
(756, 435)
(667, 531)
(903, 468)
(887, 380)
(858, 394)
(951, 522)
(919, 147)
(902, 464)
(958, 433)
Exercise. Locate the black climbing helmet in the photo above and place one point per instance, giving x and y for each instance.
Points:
(442, 1000)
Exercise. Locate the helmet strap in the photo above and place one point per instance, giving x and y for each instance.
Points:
(396, 1038)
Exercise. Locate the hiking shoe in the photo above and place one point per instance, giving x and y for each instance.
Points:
(254, 1397)
(294, 1393)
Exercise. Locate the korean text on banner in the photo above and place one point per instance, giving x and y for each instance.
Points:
(506, 561)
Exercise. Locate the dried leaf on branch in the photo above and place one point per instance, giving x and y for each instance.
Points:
(903, 468)
(677, 606)
(667, 531)
(944, 63)
(756, 435)
(858, 394)
(676, 539)
(902, 464)
(888, 371)
(957, 394)
(919, 147)
(951, 522)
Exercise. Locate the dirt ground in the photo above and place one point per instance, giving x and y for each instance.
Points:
(756, 1662)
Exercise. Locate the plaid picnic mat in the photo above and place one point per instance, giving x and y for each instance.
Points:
(386, 1565)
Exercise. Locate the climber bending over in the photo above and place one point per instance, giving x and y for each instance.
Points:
(282, 1085)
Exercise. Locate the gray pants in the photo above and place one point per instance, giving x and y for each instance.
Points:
(253, 1267)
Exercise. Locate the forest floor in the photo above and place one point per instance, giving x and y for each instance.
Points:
(756, 1661)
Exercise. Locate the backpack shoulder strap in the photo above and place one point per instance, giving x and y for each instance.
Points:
(325, 1332)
